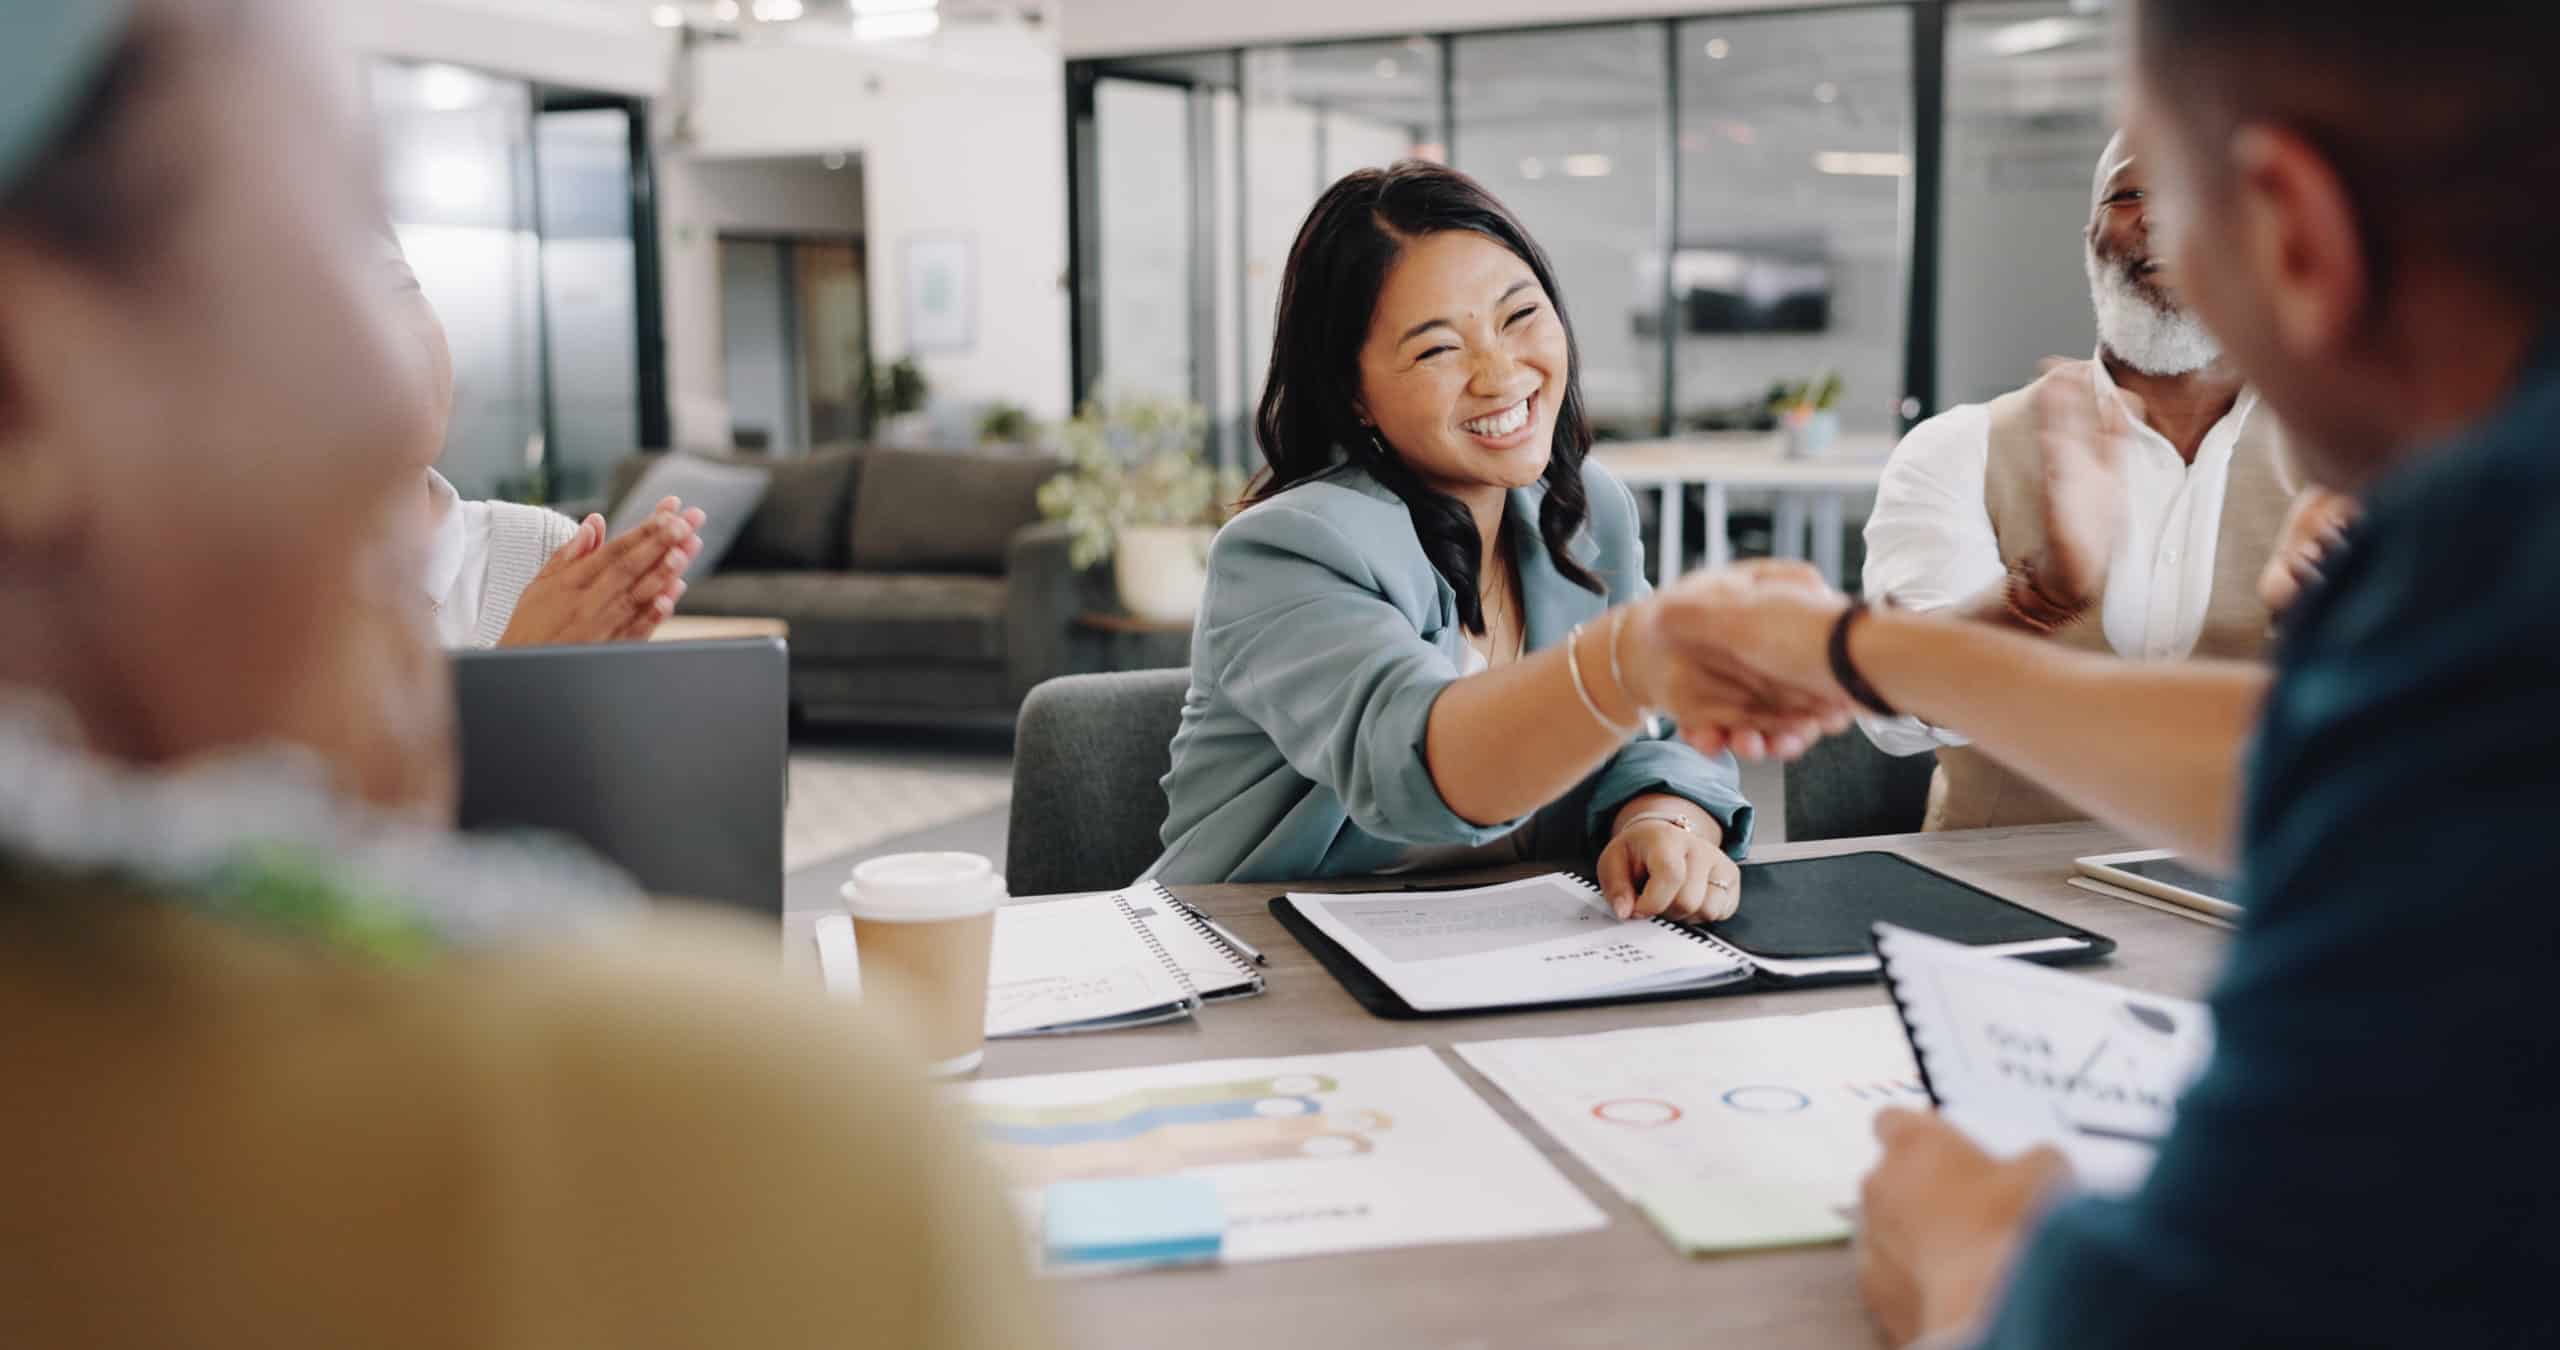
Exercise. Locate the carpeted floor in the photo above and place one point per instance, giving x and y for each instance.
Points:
(852, 790)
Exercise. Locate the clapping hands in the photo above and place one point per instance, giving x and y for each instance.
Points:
(2314, 531)
(2084, 441)
(617, 590)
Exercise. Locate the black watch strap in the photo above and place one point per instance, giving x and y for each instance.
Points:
(1845, 671)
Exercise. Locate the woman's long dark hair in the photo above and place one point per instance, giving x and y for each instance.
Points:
(1310, 421)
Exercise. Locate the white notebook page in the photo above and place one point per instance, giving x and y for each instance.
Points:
(1059, 963)
(1547, 939)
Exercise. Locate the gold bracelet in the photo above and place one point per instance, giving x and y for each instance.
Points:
(1573, 664)
(1617, 676)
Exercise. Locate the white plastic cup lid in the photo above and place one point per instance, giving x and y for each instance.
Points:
(923, 888)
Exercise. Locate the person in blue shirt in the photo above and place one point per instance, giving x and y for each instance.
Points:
(2364, 205)
(1407, 657)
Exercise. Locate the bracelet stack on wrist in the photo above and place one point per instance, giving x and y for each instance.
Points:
(1618, 675)
(1573, 665)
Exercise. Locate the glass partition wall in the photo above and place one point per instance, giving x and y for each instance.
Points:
(1567, 127)
(526, 213)
(2030, 103)
(1734, 202)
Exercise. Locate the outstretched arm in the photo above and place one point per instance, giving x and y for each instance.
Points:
(2155, 749)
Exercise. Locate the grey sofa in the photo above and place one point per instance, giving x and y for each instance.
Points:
(920, 585)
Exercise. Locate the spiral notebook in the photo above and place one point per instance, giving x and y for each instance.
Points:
(1552, 941)
(2018, 1057)
(1086, 963)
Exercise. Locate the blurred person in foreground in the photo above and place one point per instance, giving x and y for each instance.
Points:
(2358, 200)
(288, 1063)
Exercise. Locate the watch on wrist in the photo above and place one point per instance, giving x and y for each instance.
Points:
(1844, 672)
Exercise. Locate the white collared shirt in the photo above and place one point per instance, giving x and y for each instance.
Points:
(1930, 543)
(457, 578)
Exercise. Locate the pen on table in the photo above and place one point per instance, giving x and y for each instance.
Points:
(1224, 934)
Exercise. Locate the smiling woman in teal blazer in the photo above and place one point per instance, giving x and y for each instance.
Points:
(1407, 657)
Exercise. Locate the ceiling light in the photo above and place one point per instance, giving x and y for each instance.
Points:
(1387, 68)
(2034, 35)
(1586, 166)
(1863, 164)
(1718, 49)
(667, 16)
(1533, 168)
(726, 10)
(778, 11)
(864, 9)
(890, 27)
(1826, 92)
(448, 88)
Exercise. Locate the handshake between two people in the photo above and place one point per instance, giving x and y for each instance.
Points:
(1739, 658)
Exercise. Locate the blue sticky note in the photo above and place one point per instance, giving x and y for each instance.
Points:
(1170, 1220)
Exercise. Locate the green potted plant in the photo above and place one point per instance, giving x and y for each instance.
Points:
(1138, 490)
(1809, 415)
(1006, 424)
(898, 394)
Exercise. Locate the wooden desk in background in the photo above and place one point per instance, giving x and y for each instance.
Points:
(1810, 491)
(718, 628)
(1621, 1286)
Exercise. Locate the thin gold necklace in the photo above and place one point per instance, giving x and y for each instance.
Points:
(1507, 593)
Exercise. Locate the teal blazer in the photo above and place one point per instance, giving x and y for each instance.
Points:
(1324, 638)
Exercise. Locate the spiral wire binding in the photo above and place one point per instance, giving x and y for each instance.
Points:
(1191, 992)
(1902, 1010)
(1693, 933)
(1200, 925)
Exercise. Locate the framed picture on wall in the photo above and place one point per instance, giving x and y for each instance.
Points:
(942, 294)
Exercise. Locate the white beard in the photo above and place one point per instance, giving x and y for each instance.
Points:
(2144, 336)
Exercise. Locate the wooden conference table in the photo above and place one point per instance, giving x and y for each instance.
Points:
(1620, 1286)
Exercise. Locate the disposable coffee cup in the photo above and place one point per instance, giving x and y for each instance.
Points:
(924, 924)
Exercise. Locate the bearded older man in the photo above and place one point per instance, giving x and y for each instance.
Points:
(2155, 554)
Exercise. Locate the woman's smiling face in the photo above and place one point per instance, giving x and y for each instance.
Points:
(1465, 364)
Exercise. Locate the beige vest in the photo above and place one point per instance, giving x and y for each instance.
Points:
(1972, 791)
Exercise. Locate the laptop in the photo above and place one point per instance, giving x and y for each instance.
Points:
(667, 759)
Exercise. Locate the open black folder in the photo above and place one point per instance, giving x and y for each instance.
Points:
(1802, 924)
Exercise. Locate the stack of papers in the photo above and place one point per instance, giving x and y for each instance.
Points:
(1310, 1154)
(1084, 963)
(1548, 939)
(1728, 1135)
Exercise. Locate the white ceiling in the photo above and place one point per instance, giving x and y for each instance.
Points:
(840, 11)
